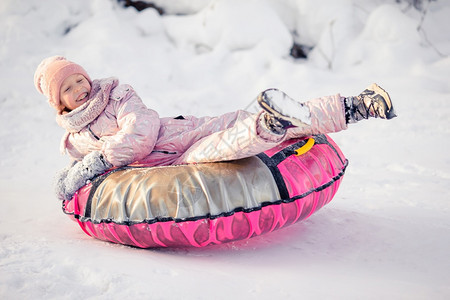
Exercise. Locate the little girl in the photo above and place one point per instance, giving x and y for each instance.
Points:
(107, 124)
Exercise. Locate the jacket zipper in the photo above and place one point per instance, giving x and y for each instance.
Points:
(90, 130)
(165, 152)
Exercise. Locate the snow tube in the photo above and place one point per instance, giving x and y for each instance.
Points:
(213, 203)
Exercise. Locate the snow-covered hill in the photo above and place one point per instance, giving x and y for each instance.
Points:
(384, 236)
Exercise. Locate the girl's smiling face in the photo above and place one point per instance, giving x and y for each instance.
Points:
(74, 91)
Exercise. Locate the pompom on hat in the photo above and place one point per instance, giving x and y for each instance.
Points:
(51, 73)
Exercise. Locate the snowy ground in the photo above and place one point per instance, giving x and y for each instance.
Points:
(384, 236)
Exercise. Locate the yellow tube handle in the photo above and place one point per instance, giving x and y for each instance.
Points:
(305, 148)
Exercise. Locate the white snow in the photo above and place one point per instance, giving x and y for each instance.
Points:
(384, 236)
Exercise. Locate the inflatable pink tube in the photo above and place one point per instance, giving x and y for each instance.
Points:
(214, 203)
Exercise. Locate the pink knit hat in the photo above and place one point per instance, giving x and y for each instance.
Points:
(51, 73)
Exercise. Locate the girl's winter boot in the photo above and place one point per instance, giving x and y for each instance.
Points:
(282, 112)
(372, 102)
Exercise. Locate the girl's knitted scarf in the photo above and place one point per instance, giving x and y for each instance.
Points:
(80, 117)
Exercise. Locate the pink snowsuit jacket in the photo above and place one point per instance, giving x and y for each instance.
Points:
(127, 131)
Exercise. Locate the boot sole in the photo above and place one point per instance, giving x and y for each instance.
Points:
(270, 107)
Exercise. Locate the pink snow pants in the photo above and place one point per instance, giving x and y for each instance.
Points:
(246, 137)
